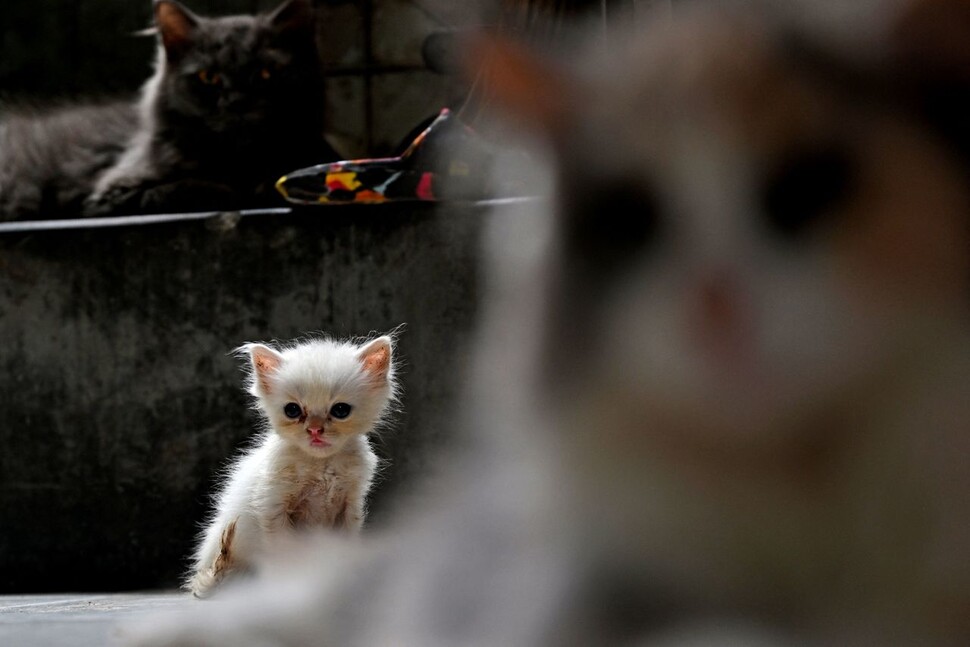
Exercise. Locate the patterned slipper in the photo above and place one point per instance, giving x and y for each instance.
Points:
(446, 161)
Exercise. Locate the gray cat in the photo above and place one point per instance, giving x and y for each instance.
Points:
(235, 102)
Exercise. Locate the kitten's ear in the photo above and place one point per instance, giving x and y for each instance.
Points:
(525, 86)
(376, 358)
(294, 16)
(266, 362)
(176, 26)
(929, 45)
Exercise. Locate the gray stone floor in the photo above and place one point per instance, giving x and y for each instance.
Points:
(76, 620)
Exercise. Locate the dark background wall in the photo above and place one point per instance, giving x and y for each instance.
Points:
(68, 48)
(119, 402)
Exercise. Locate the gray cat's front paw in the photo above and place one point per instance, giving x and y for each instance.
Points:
(113, 201)
(188, 195)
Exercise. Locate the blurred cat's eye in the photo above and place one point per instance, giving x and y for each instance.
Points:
(292, 410)
(208, 78)
(340, 410)
(611, 221)
(805, 187)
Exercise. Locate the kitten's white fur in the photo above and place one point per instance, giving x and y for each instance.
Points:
(292, 478)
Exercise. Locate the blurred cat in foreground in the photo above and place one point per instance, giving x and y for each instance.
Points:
(721, 388)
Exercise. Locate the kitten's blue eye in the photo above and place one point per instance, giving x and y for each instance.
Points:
(292, 410)
(340, 410)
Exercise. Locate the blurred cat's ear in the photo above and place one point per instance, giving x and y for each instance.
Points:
(176, 25)
(266, 362)
(294, 16)
(929, 46)
(522, 84)
(376, 358)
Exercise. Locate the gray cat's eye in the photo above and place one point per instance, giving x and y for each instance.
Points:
(340, 410)
(208, 77)
(292, 410)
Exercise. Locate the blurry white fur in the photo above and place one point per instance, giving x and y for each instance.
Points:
(312, 467)
(708, 406)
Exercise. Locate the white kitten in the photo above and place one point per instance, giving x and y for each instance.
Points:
(313, 466)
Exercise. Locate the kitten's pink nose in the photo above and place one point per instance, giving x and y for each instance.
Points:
(314, 425)
(317, 439)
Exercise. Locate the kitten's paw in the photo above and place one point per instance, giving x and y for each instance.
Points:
(207, 578)
(202, 585)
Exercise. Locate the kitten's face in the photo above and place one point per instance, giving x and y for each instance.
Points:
(232, 73)
(741, 243)
(320, 394)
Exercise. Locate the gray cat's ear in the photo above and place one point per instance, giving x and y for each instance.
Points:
(266, 362)
(376, 358)
(176, 26)
(294, 16)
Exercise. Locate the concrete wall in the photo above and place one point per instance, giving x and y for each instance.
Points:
(118, 401)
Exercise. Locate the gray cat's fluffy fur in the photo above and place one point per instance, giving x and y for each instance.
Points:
(48, 161)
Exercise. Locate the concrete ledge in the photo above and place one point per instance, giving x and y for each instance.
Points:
(83, 620)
